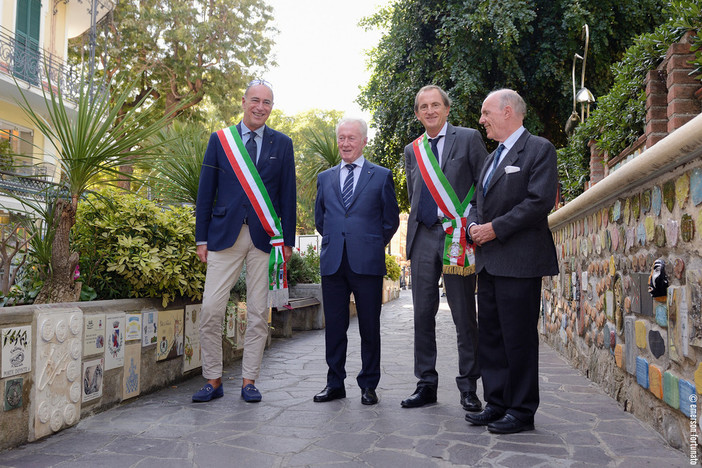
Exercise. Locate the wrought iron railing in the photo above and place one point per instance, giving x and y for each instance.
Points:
(26, 61)
(26, 187)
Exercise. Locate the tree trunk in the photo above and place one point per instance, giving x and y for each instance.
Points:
(60, 285)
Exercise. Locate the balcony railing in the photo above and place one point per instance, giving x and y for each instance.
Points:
(26, 187)
(23, 59)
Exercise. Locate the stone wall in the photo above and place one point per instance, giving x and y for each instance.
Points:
(644, 352)
(61, 362)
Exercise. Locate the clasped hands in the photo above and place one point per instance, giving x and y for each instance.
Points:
(481, 233)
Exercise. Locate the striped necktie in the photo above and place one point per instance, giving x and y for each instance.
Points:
(495, 162)
(347, 190)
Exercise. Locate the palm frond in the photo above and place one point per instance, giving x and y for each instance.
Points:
(324, 153)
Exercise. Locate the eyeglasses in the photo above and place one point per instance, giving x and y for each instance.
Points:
(259, 82)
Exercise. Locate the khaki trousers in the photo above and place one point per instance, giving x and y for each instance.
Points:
(223, 270)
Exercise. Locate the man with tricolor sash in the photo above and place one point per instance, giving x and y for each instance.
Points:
(441, 167)
(245, 214)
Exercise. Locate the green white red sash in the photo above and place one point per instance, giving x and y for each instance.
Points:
(251, 182)
(459, 255)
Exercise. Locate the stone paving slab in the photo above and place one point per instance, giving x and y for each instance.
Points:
(577, 425)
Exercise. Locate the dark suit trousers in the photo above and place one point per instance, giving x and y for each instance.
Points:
(368, 293)
(508, 312)
(427, 254)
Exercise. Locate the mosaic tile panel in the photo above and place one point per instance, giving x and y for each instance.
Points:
(671, 391)
(640, 333)
(688, 397)
(661, 314)
(656, 200)
(656, 343)
(669, 195)
(619, 355)
(629, 343)
(682, 189)
(655, 381)
(696, 186)
(642, 371)
(13, 394)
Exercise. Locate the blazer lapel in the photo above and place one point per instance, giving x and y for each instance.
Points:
(266, 146)
(367, 172)
(448, 145)
(510, 158)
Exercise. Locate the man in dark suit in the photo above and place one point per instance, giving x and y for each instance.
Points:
(459, 154)
(230, 231)
(356, 213)
(517, 190)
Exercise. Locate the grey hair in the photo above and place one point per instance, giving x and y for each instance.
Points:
(444, 96)
(361, 123)
(509, 97)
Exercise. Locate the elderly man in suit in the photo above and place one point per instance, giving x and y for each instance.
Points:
(356, 213)
(246, 213)
(517, 190)
(441, 168)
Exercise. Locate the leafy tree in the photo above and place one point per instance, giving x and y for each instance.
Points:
(180, 51)
(470, 47)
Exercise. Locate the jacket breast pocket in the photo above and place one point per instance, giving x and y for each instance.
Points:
(219, 211)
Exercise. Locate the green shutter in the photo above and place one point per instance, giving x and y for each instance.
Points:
(27, 39)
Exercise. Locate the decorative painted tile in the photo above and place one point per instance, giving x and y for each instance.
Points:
(661, 314)
(13, 394)
(609, 304)
(696, 186)
(617, 296)
(608, 239)
(612, 266)
(687, 228)
(645, 201)
(619, 355)
(612, 340)
(656, 343)
(682, 189)
(678, 268)
(656, 200)
(629, 343)
(635, 207)
(616, 211)
(676, 328)
(650, 225)
(698, 376)
(640, 327)
(642, 371)
(599, 219)
(626, 211)
(688, 397)
(631, 237)
(671, 390)
(645, 299)
(659, 236)
(605, 217)
(672, 228)
(655, 380)
(669, 195)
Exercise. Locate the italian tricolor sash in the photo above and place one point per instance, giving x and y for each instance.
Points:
(257, 194)
(459, 255)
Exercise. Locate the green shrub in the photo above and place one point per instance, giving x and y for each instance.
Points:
(130, 247)
(393, 268)
(305, 269)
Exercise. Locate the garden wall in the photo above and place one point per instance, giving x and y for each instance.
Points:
(62, 362)
(645, 352)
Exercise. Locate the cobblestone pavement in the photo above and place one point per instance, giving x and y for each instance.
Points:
(577, 425)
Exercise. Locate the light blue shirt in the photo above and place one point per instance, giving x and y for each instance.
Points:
(258, 138)
(356, 172)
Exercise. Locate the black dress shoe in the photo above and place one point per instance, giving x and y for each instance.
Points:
(329, 394)
(368, 396)
(471, 402)
(422, 396)
(509, 425)
(485, 417)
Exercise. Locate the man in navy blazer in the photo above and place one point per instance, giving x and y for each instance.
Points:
(229, 233)
(356, 213)
(516, 192)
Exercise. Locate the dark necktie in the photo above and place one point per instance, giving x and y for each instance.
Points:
(251, 147)
(347, 190)
(495, 162)
(428, 210)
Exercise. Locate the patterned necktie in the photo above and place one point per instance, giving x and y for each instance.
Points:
(428, 213)
(251, 147)
(347, 190)
(495, 162)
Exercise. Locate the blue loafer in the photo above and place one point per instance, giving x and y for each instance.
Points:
(208, 392)
(250, 394)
